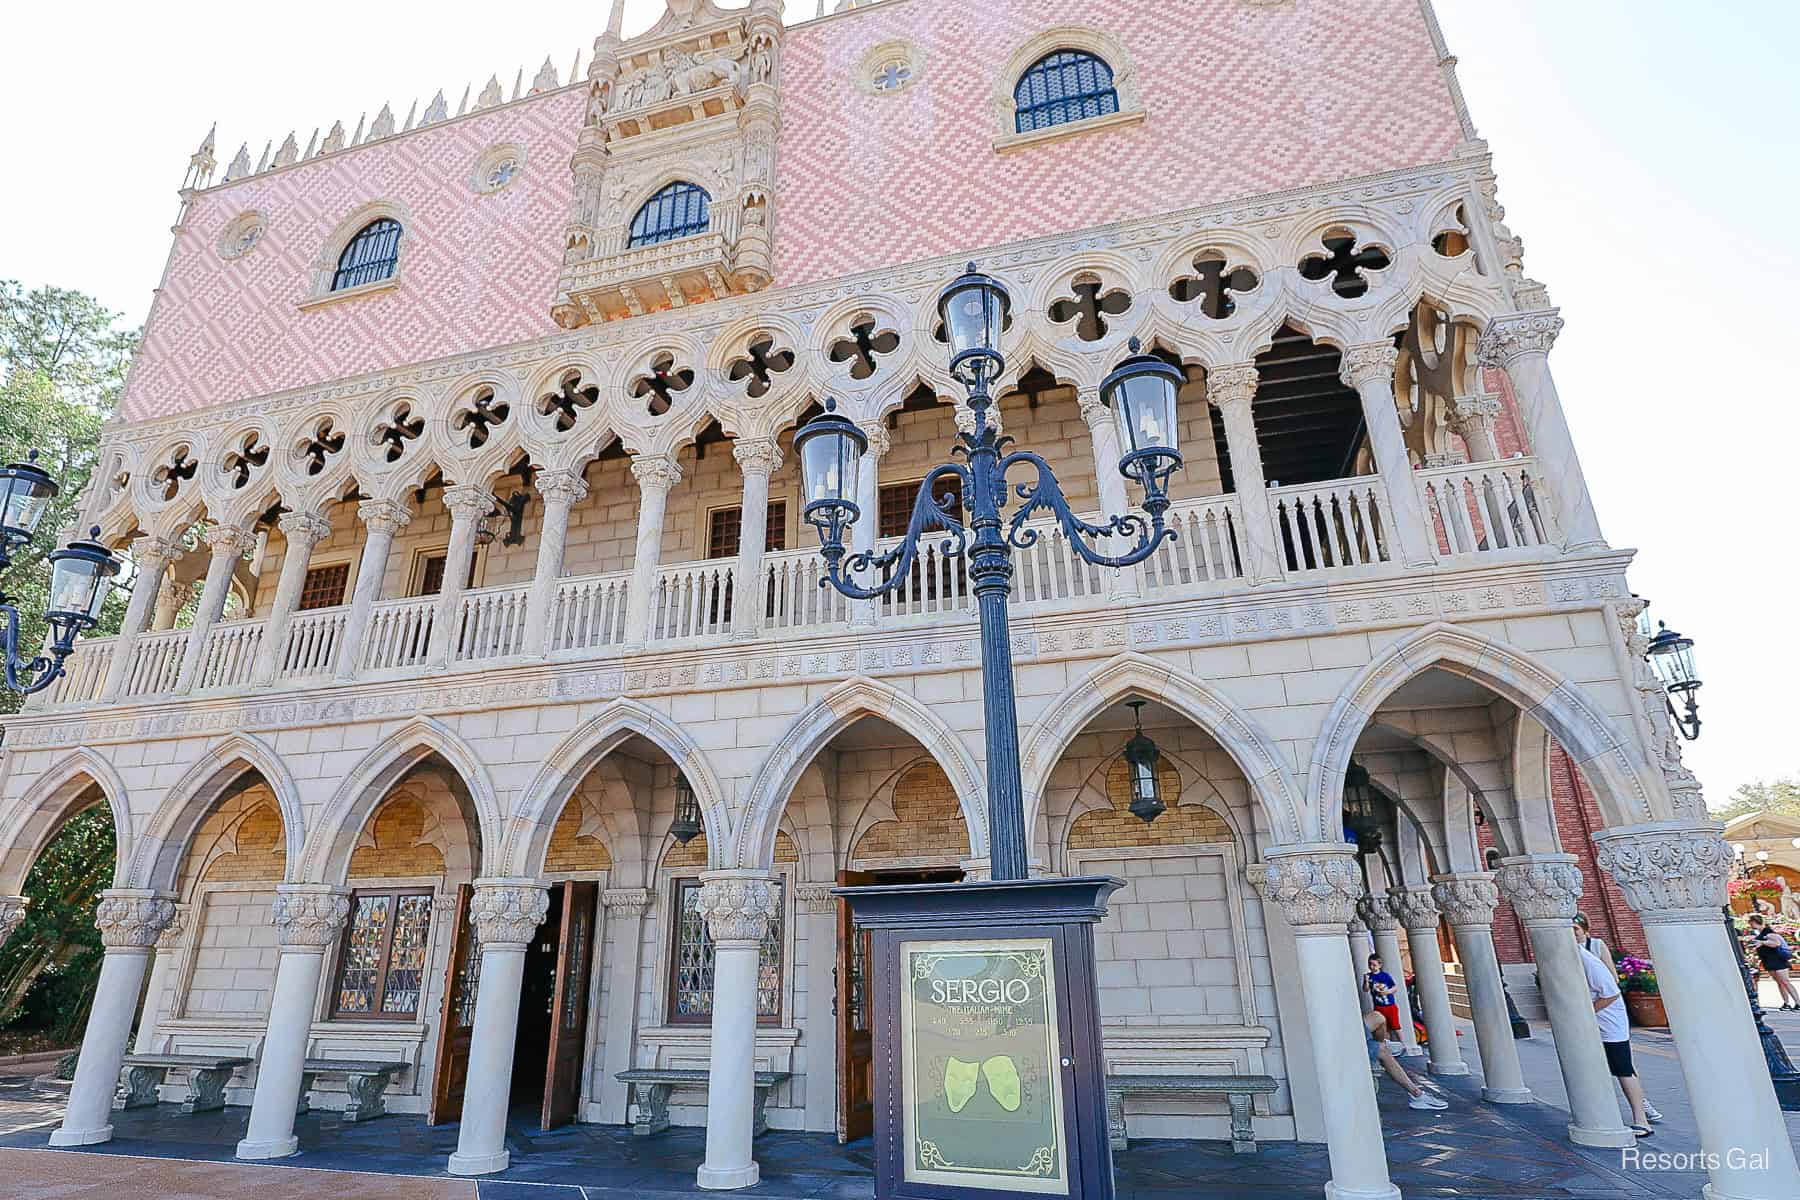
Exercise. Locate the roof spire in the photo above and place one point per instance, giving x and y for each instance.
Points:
(615, 21)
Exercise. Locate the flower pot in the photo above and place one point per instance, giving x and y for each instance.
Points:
(1646, 1010)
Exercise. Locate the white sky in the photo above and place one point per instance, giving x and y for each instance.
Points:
(1646, 151)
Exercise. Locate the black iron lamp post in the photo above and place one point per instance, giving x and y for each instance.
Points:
(1141, 393)
(1672, 658)
(81, 575)
(1775, 1056)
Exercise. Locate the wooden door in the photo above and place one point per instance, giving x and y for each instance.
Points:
(568, 1015)
(456, 1016)
(856, 1038)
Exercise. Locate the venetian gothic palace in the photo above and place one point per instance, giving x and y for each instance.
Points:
(478, 692)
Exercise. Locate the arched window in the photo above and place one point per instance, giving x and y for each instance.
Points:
(1064, 86)
(679, 210)
(371, 256)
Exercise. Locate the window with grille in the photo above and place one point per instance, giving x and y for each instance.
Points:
(324, 586)
(1064, 86)
(679, 210)
(897, 500)
(381, 968)
(431, 574)
(371, 255)
(725, 530)
(691, 963)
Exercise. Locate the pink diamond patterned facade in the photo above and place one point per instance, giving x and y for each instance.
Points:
(1240, 100)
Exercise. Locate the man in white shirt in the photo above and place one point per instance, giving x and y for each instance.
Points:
(1615, 1035)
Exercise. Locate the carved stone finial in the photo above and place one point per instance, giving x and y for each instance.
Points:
(1317, 887)
(384, 124)
(1672, 872)
(308, 916)
(507, 912)
(736, 905)
(545, 80)
(491, 94)
(240, 164)
(437, 110)
(1542, 887)
(1468, 898)
(288, 154)
(334, 141)
(129, 919)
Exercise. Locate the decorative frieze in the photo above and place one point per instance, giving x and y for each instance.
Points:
(130, 919)
(506, 913)
(308, 917)
(1317, 888)
(1542, 887)
(1670, 872)
(736, 905)
(1467, 898)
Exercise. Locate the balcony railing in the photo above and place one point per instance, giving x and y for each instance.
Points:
(1338, 527)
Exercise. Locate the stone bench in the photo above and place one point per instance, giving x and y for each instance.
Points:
(1238, 1090)
(207, 1075)
(651, 1087)
(364, 1079)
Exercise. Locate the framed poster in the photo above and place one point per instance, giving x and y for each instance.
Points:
(981, 1062)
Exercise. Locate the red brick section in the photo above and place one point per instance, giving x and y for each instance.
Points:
(1577, 818)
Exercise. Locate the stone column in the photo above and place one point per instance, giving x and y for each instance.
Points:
(382, 521)
(170, 598)
(162, 970)
(303, 531)
(1472, 419)
(1361, 946)
(1673, 874)
(468, 505)
(866, 532)
(129, 922)
(308, 918)
(656, 474)
(1418, 914)
(1317, 887)
(154, 557)
(625, 909)
(506, 913)
(757, 458)
(1231, 390)
(1468, 899)
(737, 906)
(1103, 432)
(1379, 917)
(1370, 370)
(1519, 344)
(228, 544)
(562, 491)
(1543, 890)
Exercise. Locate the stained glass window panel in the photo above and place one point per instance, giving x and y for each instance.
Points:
(406, 957)
(362, 954)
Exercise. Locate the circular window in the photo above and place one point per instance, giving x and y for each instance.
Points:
(241, 235)
(889, 68)
(497, 167)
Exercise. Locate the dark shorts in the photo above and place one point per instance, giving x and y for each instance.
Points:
(1618, 1059)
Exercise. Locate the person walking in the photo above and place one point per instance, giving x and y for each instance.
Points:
(1382, 1057)
(1381, 987)
(1615, 1036)
(1776, 957)
(1584, 937)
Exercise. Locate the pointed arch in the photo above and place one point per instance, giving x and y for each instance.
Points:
(1628, 790)
(813, 729)
(156, 859)
(326, 857)
(47, 805)
(1236, 732)
(528, 830)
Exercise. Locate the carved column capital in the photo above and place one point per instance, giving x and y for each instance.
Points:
(1316, 886)
(1514, 336)
(1093, 410)
(12, 915)
(1477, 406)
(170, 938)
(303, 528)
(384, 516)
(655, 472)
(1542, 888)
(1372, 362)
(1415, 908)
(757, 456)
(131, 919)
(1468, 898)
(229, 541)
(153, 554)
(1227, 387)
(817, 898)
(737, 905)
(468, 501)
(566, 488)
(880, 440)
(1375, 912)
(1356, 925)
(507, 912)
(1671, 872)
(627, 902)
(308, 916)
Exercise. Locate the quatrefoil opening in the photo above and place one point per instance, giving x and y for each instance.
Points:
(572, 397)
(1089, 306)
(247, 458)
(864, 347)
(760, 364)
(400, 430)
(480, 417)
(1211, 285)
(318, 446)
(1452, 237)
(167, 479)
(662, 387)
(1344, 262)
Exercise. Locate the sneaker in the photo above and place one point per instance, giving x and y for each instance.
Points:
(1642, 1131)
(1651, 1114)
(1427, 1101)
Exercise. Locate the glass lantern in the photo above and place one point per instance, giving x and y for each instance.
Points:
(81, 576)
(1141, 392)
(830, 447)
(26, 490)
(1672, 658)
(1142, 756)
(686, 825)
(975, 308)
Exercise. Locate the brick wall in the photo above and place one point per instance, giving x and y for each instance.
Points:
(1117, 827)
(260, 854)
(692, 857)
(397, 852)
(929, 821)
(570, 850)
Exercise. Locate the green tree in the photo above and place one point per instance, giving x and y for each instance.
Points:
(49, 966)
(1774, 796)
(62, 370)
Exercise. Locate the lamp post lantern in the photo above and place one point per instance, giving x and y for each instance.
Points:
(81, 575)
(1672, 658)
(1141, 392)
